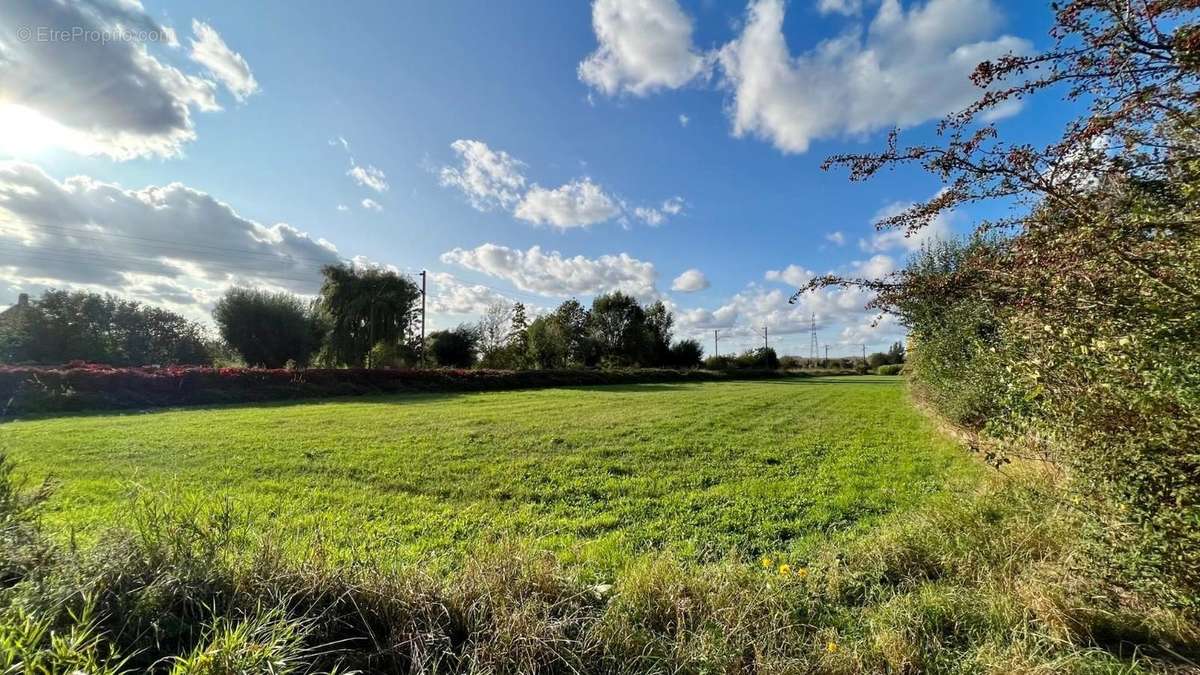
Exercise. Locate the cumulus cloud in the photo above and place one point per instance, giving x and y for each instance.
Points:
(655, 216)
(98, 97)
(847, 7)
(371, 205)
(906, 68)
(683, 120)
(449, 295)
(368, 176)
(793, 275)
(493, 179)
(940, 228)
(169, 244)
(226, 65)
(876, 267)
(837, 238)
(553, 274)
(644, 45)
(577, 204)
(690, 281)
(489, 178)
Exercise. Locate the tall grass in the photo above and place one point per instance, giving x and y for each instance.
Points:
(977, 584)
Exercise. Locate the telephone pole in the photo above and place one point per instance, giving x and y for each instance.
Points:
(717, 342)
(826, 364)
(422, 352)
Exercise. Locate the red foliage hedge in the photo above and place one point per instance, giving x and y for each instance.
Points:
(32, 389)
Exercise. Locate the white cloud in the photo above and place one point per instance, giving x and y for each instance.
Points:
(577, 204)
(343, 207)
(550, 273)
(371, 205)
(940, 228)
(170, 245)
(877, 267)
(645, 45)
(95, 97)
(493, 179)
(837, 238)
(847, 7)
(449, 295)
(649, 215)
(793, 275)
(230, 69)
(368, 176)
(909, 67)
(683, 120)
(690, 281)
(655, 216)
(489, 178)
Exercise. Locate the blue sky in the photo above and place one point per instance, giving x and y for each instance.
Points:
(629, 141)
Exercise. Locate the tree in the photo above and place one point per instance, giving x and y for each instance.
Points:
(453, 348)
(574, 319)
(65, 326)
(366, 306)
(895, 353)
(618, 325)
(268, 329)
(686, 354)
(548, 342)
(494, 327)
(659, 323)
(518, 334)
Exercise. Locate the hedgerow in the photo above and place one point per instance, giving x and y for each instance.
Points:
(26, 390)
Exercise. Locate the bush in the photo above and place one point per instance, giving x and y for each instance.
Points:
(686, 354)
(889, 369)
(88, 386)
(452, 348)
(268, 329)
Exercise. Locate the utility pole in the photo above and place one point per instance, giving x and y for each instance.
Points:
(717, 342)
(826, 356)
(766, 337)
(864, 356)
(422, 317)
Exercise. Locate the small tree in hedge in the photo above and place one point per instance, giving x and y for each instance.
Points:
(686, 354)
(453, 348)
(268, 329)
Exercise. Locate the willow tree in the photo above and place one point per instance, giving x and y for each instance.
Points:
(365, 307)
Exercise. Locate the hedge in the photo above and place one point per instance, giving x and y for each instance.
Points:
(30, 389)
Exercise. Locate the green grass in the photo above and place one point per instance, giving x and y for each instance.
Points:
(595, 474)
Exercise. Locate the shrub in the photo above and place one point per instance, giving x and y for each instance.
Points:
(686, 354)
(268, 329)
(87, 386)
(453, 348)
(889, 369)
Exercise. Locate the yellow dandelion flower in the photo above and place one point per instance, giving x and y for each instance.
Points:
(831, 647)
(767, 563)
(802, 572)
(785, 569)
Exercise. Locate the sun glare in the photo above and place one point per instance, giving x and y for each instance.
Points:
(24, 131)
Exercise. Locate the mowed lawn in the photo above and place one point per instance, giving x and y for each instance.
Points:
(593, 473)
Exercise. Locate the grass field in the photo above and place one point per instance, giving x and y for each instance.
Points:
(595, 474)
